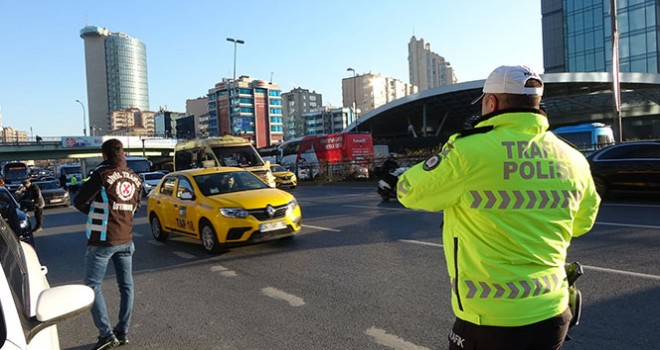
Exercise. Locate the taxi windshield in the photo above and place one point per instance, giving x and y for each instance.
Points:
(277, 168)
(240, 156)
(226, 182)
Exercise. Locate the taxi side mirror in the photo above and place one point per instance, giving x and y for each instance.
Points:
(186, 195)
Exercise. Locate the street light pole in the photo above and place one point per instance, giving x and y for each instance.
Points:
(235, 41)
(357, 118)
(84, 118)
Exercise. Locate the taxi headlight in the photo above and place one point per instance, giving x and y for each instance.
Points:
(291, 206)
(233, 212)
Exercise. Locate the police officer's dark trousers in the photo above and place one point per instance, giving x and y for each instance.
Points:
(545, 335)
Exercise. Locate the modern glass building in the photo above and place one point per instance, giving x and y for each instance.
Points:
(577, 35)
(116, 66)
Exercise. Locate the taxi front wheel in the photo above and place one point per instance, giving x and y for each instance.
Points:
(209, 239)
(157, 229)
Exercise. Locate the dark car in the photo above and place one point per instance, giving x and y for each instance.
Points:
(17, 219)
(53, 193)
(631, 166)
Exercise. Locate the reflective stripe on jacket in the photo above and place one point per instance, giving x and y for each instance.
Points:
(513, 197)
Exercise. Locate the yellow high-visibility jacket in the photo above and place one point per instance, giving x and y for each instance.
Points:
(513, 196)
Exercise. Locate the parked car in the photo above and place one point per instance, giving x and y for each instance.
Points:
(221, 206)
(150, 180)
(283, 176)
(54, 195)
(630, 166)
(11, 210)
(30, 308)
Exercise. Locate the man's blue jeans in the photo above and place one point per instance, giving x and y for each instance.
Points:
(96, 264)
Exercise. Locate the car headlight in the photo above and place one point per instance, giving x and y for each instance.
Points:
(24, 224)
(148, 186)
(233, 212)
(291, 206)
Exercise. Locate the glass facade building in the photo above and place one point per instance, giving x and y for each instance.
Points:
(127, 73)
(577, 35)
(116, 66)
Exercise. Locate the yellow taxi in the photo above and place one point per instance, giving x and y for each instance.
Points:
(283, 177)
(221, 206)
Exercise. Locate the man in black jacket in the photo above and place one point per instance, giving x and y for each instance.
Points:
(110, 198)
(33, 194)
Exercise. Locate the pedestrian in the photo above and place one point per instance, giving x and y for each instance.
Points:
(513, 196)
(110, 198)
(32, 193)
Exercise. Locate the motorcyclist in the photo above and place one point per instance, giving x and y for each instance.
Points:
(32, 194)
(390, 164)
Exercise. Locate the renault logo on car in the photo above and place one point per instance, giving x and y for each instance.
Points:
(270, 210)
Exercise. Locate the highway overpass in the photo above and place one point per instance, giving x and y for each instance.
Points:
(84, 147)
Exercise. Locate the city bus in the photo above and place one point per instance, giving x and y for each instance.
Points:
(14, 173)
(343, 153)
(587, 137)
(227, 150)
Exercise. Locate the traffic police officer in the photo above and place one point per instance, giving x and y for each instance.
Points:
(513, 196)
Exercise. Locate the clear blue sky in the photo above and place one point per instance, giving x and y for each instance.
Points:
(301, 43)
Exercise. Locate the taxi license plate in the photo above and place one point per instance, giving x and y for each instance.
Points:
(272, 226)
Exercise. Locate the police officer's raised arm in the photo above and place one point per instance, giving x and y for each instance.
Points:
(434, 184)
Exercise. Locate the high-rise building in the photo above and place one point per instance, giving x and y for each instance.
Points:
(165, 123)
(248, 108)
(116, 67)
(577, 36)
(370, 91)
(196, 123)
(427, 69)
(295, 104)
(327, 120)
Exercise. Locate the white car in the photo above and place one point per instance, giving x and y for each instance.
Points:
(150, 180)
(30, 307)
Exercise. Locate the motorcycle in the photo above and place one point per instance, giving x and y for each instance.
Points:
(387, 185)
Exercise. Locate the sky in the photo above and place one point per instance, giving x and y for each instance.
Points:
(306, 43)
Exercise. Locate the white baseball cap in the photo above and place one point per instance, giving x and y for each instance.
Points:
(511, 80)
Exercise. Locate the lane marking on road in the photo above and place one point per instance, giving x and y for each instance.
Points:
(421, 243)
(184, 255)
(156, 243)
(375, 208)
(596, 268)
(391, 341)
(321, 228)
(621, 272)
(137, 234)
(631, 205)
(627, 225)
(223, 271)
(280, 295)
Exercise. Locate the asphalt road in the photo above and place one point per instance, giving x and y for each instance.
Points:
(362, 274)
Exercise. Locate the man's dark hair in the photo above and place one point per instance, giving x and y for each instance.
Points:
(522, 101)
(112, 149)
